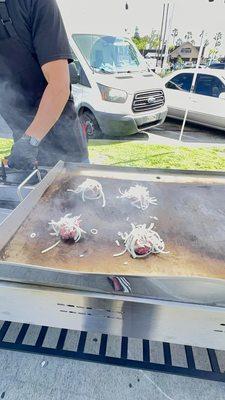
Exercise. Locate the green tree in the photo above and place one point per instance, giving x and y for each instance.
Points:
(141, 42)
(154, 39)
(213, 52)
(171, 48)
(180, 60)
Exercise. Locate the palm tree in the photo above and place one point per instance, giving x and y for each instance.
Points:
(212, 54)
(188, 36)
(218, 36)
(136, 33)
(174, 34)
(214, 51)
(179, 42)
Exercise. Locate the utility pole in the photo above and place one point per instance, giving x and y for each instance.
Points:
(168, 34)
(165, 32)
(161, 33)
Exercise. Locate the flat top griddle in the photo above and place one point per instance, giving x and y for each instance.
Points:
(191, 221)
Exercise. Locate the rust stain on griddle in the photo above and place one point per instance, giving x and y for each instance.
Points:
(191, 222)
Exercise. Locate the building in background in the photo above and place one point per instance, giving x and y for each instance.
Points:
(187, 52)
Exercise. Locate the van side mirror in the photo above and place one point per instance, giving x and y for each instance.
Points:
(74, 74)
(222, 96)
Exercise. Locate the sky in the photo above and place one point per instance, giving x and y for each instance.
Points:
(109, 16)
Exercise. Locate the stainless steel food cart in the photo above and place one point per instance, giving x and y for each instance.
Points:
(177, 297)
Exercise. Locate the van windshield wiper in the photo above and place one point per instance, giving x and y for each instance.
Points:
(102, 70)
(106, 71)
(128, 71)
(131, 71)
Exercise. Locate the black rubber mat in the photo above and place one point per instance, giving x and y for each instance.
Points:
(143, 361)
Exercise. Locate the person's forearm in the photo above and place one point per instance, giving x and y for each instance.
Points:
(50, 109)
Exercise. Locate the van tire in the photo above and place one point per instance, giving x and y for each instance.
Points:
(90, 126)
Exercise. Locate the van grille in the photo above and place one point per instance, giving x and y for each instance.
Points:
(149, 100)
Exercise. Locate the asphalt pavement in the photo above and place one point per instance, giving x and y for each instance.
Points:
(193, 134)
(168, 134)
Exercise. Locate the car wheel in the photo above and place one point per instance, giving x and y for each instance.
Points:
(90, 126)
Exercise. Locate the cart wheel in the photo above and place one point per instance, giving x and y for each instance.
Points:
(90, 126)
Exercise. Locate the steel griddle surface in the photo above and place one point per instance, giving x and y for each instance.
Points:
(191, 222)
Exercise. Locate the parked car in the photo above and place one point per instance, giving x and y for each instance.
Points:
(188, 64)
(217, 65)
(206, 105)
(115, 91)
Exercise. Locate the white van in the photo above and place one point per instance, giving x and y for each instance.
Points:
(115, 92)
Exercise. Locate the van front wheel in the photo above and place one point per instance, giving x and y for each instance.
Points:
(90, 126)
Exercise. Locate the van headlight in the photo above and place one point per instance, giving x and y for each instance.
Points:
(113, 95)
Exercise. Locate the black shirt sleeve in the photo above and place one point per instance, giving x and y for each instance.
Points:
(48, 32)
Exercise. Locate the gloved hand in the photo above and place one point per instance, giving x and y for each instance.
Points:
(23, 154)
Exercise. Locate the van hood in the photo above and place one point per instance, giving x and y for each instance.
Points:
(131, 82)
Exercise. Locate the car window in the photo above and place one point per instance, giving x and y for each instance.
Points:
(209, 85)
(181, 82)
(217, 66)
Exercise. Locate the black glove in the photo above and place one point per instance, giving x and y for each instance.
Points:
(23, 154)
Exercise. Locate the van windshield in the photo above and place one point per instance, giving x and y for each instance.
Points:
(109, 54)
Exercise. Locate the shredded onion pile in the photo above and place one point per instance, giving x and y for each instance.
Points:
(139, 195)
(91, 190)
(67, 228)
(142, 241)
